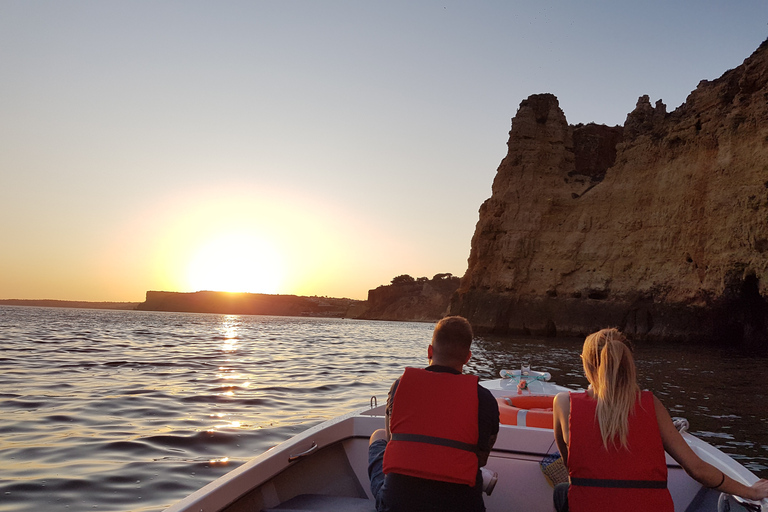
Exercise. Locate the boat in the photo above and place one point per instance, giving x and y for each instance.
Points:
(324, 469)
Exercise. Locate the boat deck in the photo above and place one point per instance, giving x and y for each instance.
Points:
(325, 469)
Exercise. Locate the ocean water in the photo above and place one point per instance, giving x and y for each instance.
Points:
(131, 411)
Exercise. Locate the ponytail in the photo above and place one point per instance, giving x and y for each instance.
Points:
(610, 368)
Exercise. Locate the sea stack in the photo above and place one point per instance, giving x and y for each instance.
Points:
(659, 227)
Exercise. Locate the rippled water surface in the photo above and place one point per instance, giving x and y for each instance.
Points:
(131, 411)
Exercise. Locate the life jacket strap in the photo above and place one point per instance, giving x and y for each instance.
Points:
(440, 441)
(619, 484)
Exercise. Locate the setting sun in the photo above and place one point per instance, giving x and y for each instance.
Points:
(235, 262)
(248, 239)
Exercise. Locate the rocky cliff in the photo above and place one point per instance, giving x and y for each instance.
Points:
(412, 300)
(659, 227)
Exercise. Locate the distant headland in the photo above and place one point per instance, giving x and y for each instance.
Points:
(82, 304)
(247, 304)
(404, 299)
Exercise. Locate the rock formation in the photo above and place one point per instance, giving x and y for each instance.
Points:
(659, 227)
(412, 300)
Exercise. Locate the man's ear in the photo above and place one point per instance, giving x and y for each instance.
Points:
(429, 351)
(469, 356)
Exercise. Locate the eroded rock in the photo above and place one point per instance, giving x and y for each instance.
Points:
(659, 227)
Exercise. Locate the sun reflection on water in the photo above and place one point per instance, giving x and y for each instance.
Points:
(231, 380)
(231, 328)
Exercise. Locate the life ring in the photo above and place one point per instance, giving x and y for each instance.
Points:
(526, 411)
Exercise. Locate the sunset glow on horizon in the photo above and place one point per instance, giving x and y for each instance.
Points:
(241, 239)
(310, 148)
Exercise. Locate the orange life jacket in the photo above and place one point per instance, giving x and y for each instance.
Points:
(434, 427)
(632, 479)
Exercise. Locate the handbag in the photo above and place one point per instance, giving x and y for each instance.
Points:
(554, 469)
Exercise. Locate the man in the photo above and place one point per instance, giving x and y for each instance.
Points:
(440, 427)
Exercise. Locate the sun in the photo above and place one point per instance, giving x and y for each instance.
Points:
(235, 262)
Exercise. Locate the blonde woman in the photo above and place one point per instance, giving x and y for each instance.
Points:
(613, 437)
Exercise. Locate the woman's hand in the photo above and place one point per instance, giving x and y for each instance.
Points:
(760, 490)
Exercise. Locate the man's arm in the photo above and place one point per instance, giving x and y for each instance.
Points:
(482, 455)
(386, 425)
(388, 408)
(488, 426)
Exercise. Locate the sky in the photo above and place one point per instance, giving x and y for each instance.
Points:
(309, 147)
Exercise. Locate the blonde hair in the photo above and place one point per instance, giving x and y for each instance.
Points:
(610, 369)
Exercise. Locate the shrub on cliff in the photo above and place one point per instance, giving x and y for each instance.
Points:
(403, 279)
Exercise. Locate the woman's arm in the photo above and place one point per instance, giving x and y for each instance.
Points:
(561, 410)
(703, 472)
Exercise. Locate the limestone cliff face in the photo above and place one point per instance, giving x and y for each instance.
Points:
(422, 300)
(659, 227)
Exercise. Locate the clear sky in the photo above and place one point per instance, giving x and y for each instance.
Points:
(313, 147)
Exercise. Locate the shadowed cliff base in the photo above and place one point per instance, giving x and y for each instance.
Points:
(659, 227)
(740, 322)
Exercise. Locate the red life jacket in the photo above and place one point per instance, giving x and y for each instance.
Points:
(434, 427)
(631, 480)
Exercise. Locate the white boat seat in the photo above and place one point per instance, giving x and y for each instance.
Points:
(324, 503)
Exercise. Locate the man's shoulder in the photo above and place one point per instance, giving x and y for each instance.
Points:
(483, 389)
(485, 394)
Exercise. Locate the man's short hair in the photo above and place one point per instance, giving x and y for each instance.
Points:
(452, 338)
